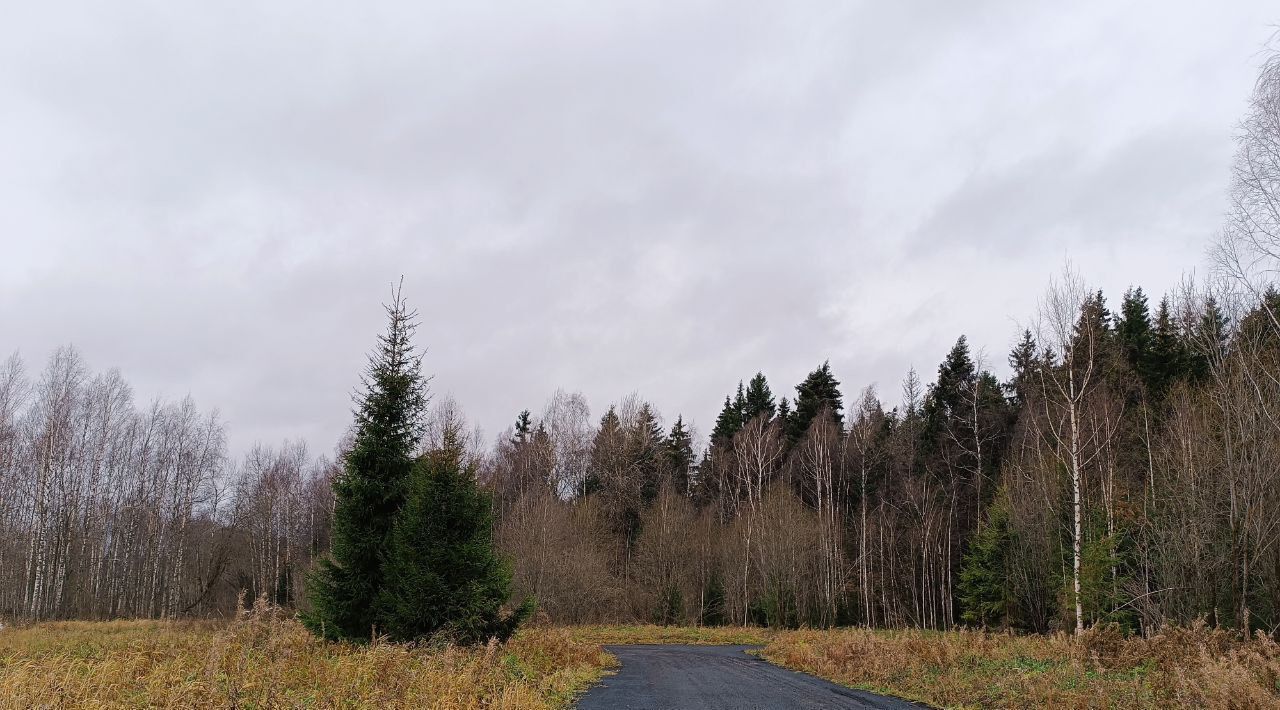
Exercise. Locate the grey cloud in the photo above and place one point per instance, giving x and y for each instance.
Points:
(604, 197)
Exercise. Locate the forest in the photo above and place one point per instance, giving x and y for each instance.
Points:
(1124, 472)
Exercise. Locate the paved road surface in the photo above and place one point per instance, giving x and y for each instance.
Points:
(670, 677)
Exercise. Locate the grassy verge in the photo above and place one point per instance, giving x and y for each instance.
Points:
(1195, 667)
(268, 661)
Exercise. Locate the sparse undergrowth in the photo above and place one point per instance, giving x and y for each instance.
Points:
(1195, 668)
(267, 660)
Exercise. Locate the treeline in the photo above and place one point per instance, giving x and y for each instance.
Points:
(1126, 471)
(112, 510)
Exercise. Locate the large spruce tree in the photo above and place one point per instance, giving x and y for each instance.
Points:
(372, 486)
(442, 578)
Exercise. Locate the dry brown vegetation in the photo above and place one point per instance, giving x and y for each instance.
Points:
(1196, 667)
(267, 660)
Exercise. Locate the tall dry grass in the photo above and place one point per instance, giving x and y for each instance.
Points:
(267, 660)
(1193, 668)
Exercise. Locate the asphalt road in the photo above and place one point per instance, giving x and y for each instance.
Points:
(671, 677)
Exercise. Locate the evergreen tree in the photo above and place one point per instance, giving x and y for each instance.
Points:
(1134, 335)
(1023, 359)
(947, 400)
(442, 575)
(680, 457)
(372, 486)
(648, 450)
(523, 426)
(714, 606)
(1207, 344)
(984, 591)
(606, 451)
(819, 392)
(1169, 361)
(784, 411)
(728, 423)
(758, 400)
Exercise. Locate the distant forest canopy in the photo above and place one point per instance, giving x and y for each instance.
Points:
(1128, 471)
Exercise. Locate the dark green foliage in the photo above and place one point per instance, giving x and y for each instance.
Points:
(985, 591)
(606, 451)
(950, 396)
(679, 453)
(670, 611)
(714, 609)
(820, 392)
(784, 410)
(372, 486)
(647, 453)
(523, 427)
(1134, 335)
(758, 400)
(777, 608)
(1207, 343)
(728, 423)
(1024, 360)
(442, 576)
(1169, 357)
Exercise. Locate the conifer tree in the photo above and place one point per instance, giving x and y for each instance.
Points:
(758, 399)
(1134, 335)
(523, 427)
(1023, 359)
(1207, 342)
(680, 457)
(648, 449)
(373, 484)
(714, 607)
(728, 423)
(984, 592)
(1168, 362)
(819, 392)
(442, 575)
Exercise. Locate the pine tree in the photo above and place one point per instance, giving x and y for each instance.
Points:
(523, 427)
(714, 607)
(373, 484)
(680, 457)
(728, 423)
(1169, 361)
(1134, 335)
(819, 392)
(1024, 360)
(606, 451)
(1207, 343)
(984, 590)
(648, 448)
(758, 400)
(442, 575)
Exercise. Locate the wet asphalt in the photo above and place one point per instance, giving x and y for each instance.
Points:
(675, 677)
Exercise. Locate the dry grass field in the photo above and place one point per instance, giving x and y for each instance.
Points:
(1191, 668)
(267, 660)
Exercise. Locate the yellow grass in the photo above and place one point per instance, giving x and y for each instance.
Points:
(269, 661)
(1193, 668)
(266, 660)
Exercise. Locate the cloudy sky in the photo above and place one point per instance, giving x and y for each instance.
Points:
(659, 197)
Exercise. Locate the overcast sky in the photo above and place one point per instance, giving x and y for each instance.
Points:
(660, 197)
